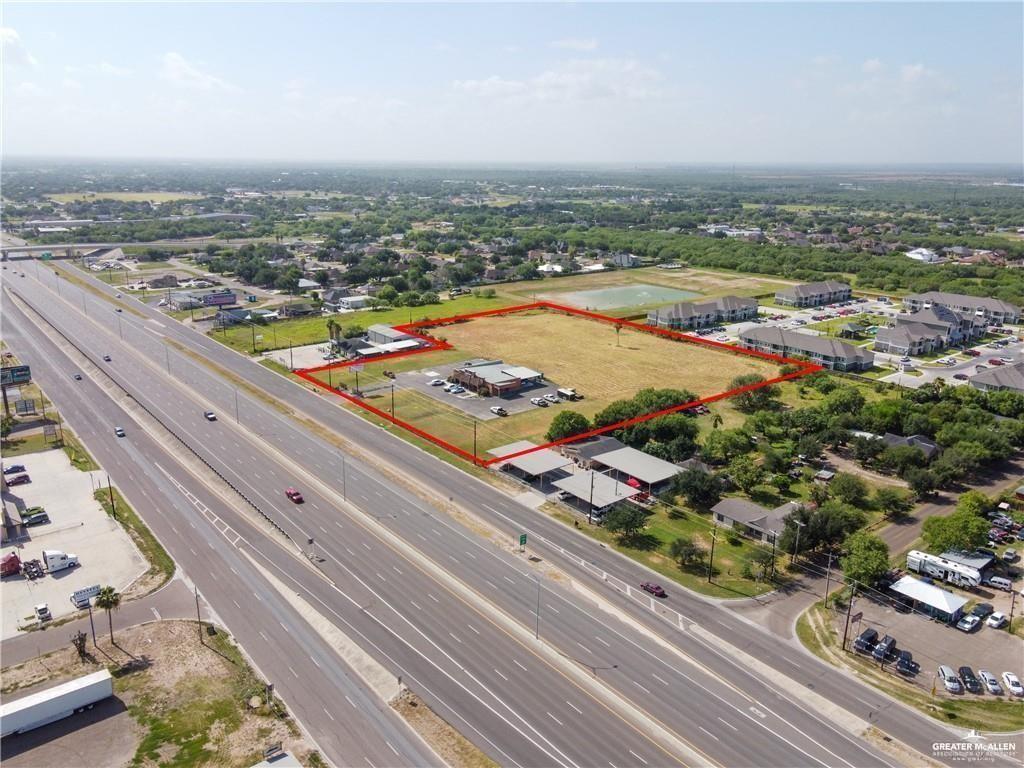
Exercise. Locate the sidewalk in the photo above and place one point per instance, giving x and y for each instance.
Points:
(172, 601)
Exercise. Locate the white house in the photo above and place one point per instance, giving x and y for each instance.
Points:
(923, 254)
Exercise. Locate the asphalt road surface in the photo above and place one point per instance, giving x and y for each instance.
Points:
(712, 695)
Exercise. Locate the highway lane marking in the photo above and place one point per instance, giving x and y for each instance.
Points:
(209, 544)
(453, 637)
(604, 642)
(313, 659)
(314, 505)
(175, 530)
(581, 645)
(326, 712)
(422, 537)
(321, 528)
(726, 722)
(661, 680)
(379, 494)
(578, 710)
(453, 559)
(634, 754)
(257, 597)
(491, 584)
(392, 748)
(337, 523)
(350, 551)
(368, 762)
(256, 475)
(474, 629)
(236, 604)
(436, 531)
(642, 688)
(506, 578)
(554, 718)
(191, 523)
(709, 733)
(264, 636)
(155, 613)
(379, 576)
(551, 607)
(471, 555)
(193, 551)
(284, 627)
(758, 712)
(415, 605)
(349, 700)
(433, 598)
(520, 665)
(294, 673)
(397, 570)
(500, 675)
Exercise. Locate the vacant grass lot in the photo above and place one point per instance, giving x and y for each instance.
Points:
(313, 330)
(125, 197)
(570, 351)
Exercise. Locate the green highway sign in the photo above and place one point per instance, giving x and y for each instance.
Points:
(522, 539)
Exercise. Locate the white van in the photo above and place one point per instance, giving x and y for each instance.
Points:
(1000, 582)
(949, 679)
(80, 597)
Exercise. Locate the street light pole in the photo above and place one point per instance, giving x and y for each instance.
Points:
(711, 559)
(590, 505)
(828, 577)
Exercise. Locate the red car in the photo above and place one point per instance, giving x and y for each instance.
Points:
(972, 353)
(19, 480)
(654, 589)
(995, 361)
(294, 495)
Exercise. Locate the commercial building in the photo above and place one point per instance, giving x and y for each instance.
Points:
(994, 311)
(494, 377)
(813, 294)
(1008, 377)
(830, 353)
(385, 334)
(530, 466)
(217, 297)
(688, 314)
(595, 490)
(639, 469)
(753, 520)
(938, 603)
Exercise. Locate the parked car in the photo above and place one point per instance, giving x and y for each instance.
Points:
(1012, 683)
(78, 377)
(982, 610)
(437, 382)
(1009, 555)
(497, 410)
(294, 495)
(997, 620)
(119, 431)
(991, 684)
(20, 480)
(209, 415)
(457, 390)
(865, 642)
(996, 361)
(968, 623)
(14, 469)
(886, 649)
(950, 680)
(960, 376)
(551, 398)
(106, 358)
(972, 352)
(971, 683)
(905, 663)
(539, 401)
(654, 589)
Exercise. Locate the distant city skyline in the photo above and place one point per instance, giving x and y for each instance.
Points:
(800, 83)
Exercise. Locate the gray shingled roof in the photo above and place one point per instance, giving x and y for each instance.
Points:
(981, 302)
(813, 289)
(803, 342)
(1004, 377)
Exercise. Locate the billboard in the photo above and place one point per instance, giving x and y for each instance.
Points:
(15, 374)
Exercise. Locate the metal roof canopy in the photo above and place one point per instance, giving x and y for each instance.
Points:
(607, 490)
(930, 595)
(536, 463)
(644, 467)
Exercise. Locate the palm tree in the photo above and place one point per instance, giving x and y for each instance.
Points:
(716, 420)
(332, 329)
(109, 600)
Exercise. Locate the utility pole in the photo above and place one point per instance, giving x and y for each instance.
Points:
(474, 442)
(711, 560)
(110, 492)
(199, 618)
(796, 544)
(393, 406)
(849, 611)
(774, 536)
(253, 329)
(590, 506)
(828, 577)
(92, 626)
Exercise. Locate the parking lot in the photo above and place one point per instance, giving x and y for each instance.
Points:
(78, 525)
(470, 403)
(933, 642)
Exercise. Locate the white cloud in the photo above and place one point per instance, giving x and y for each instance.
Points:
(112, 69)
(179, 72)
(70, 83)
(911, 73)
(575, 44)
(15, 52)
(871, 66)
(577, 80)
(490, 87)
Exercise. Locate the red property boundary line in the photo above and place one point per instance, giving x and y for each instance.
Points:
(416, 330)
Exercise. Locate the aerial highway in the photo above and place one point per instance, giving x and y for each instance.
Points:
(349, 723)
(710, 690)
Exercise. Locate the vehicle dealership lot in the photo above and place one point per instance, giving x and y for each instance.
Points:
(78, 525)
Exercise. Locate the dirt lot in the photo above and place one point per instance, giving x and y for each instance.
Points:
(174, 701)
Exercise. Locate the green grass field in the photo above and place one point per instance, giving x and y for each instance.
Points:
(125, 197)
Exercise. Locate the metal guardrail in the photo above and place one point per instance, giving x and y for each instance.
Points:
(161, 422)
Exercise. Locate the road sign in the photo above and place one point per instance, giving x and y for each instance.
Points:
(15, 374)
(857, 617)
(522, 539)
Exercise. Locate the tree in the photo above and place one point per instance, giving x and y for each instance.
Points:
(685, 551)
(567, 424)
(920, 480)
(759, 399)
(6, 427)
(701, 489)
(716, 420)
(388, 294)
(975, 502)
(774, 461)
(808, 446)
(962, 530)
(892, 502)
(745, 473)
(764, 559)
(626, 520)
(865, 449)
(109, 600)
(849, 489)
(866, 559)
(78, 641)
(721, 445)
(843, 400)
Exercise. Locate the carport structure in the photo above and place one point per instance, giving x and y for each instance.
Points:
(939, 603)
(649, 471)
(598, 491)
(532, 465)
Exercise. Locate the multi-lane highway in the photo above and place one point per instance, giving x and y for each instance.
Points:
(703, 695)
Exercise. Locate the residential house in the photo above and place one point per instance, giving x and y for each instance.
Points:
(349, 303)
(1008, 377)
(922, 443)
(332, 297)
(821, 350)
(299, 309)
(994, 311)
(753, 520)
(813, 294)
(927, 255)
(688, 314)
(623, 260)
(929, 330)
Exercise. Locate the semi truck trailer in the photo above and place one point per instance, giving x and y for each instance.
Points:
(64, 700)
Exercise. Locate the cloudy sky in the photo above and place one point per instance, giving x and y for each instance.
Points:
(800, 82)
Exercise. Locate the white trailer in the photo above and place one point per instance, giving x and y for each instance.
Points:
(940, 568)
(55, 560)
(64, 700)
